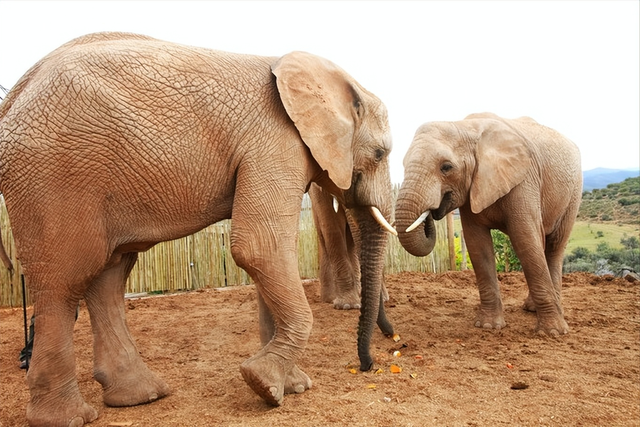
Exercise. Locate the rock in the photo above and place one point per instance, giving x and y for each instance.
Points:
(629, 274)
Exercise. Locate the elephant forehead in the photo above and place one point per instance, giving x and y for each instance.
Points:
(428, 150)
(378, 122)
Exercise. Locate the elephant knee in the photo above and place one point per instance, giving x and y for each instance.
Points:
(245, 255)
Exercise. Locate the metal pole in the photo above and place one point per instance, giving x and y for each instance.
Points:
(24, 313)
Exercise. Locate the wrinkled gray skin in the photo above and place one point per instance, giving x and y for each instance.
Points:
(115, 142)
(513, 175)
(340, 249)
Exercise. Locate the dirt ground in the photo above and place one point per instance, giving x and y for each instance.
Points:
(452, 374)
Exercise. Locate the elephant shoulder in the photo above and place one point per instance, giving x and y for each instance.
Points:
(526, 119)
(485, 115)
(103, 37)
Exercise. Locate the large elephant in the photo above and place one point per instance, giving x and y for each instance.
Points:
(513, 175)
(115, 142)
(340, 249)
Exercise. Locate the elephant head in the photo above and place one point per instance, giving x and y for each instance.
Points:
(355, 167)
(345, 127)
(476, 161)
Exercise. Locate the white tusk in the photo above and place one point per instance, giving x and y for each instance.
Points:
(419, 221)
(375, 212)
(336, 205)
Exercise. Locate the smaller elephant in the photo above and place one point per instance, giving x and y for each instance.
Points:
(513, 175)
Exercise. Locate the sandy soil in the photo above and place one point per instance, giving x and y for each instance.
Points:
(452, 373)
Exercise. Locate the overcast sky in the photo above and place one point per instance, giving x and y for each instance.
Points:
(570, 65)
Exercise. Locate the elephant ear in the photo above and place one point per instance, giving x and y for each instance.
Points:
(323, 104)
(503, 159)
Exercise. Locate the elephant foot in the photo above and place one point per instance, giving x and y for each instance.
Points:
(271, 376)
(297, 381)
(327, 298)
(552, 325)
(529, 305)
(60, 412)
(135, 386)
(490, 320)
(347, 302)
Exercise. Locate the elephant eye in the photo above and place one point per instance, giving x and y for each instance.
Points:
(446, 167)
(379, 154)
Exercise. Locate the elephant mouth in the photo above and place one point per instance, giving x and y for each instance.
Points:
(436, 214)
(375, 213)
(421, 219)
(444, 208)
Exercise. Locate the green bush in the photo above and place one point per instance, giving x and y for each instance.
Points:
(630, 242)
(605, 259)
(626, 201)
(506, 258)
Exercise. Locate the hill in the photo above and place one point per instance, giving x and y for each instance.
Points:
(617, 202)
(601, 177)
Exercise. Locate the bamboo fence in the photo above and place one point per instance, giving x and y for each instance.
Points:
(203, 260)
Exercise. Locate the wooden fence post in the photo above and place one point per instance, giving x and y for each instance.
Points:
(463, 250)
(451, 241)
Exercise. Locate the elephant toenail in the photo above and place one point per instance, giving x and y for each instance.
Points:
(76, 422)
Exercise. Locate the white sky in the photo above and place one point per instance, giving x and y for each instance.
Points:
(571, 65)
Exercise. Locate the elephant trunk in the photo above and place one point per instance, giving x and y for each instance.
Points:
(373, 249)
(420, 239)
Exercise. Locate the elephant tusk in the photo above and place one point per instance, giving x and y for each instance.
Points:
(336, 205)
(375, 212)
(418, 221)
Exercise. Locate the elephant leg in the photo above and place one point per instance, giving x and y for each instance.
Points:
(126, 380)
(544, 289)
(554, 254)
(344, 256)
(325, 274)
(264, 243)
(295, 382)
(339, 266)
(272, 371)
(266, 321)
(55, 396)
(480, 247)
(555, 245)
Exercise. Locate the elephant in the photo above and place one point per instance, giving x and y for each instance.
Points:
(514, 175)
(340, 250)
(114, 142)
